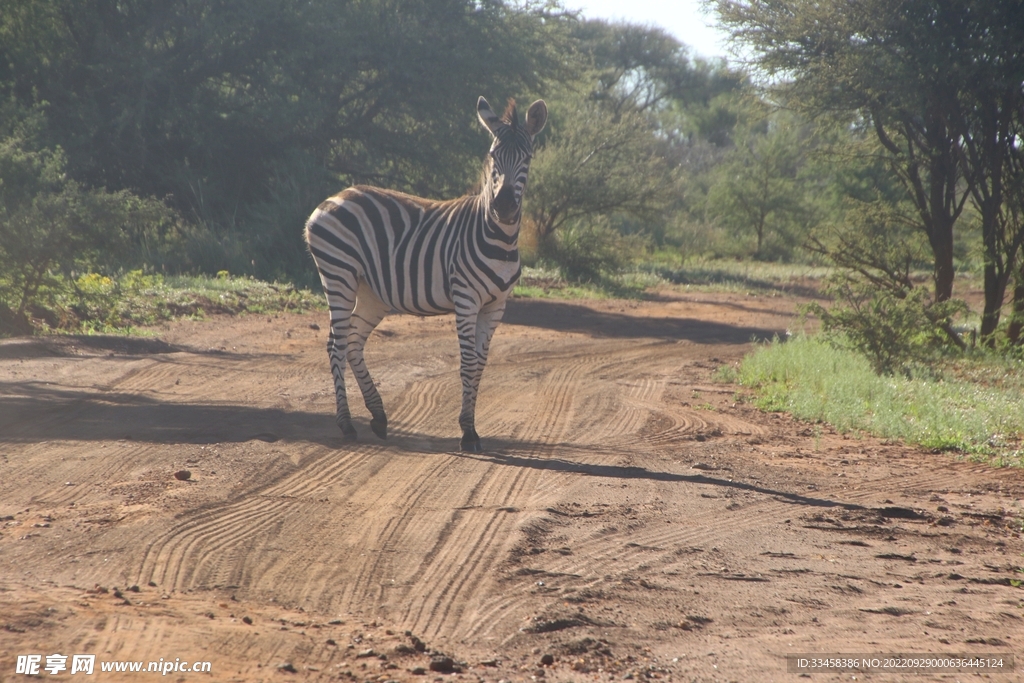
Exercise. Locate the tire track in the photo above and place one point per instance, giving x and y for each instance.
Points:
(165, 558)
(452, 573)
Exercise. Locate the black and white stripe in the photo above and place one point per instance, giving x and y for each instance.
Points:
(380, 251)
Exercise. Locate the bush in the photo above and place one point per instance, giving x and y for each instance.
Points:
(590, 251)
(893, 328)
(51, 228)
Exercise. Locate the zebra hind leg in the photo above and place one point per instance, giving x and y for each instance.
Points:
(341, 304)
(369, 311)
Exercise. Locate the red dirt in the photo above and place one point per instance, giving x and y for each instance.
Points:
(629, 516)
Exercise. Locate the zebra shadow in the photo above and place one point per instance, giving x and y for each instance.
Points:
(498, 454)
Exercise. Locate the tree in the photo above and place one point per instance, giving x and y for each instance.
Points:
(939, 82)
(596, 163)
(756, 188)
(217, 105)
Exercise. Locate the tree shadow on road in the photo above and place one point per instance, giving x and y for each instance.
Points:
(565, 317)
(32, 412)
(37, 411)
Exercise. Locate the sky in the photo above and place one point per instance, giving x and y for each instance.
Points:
(682, 18)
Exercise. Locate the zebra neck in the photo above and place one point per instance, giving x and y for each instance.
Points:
(499, 232)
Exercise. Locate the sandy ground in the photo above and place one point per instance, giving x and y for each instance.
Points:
(630, 518)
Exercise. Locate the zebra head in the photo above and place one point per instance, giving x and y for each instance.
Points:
(509, 159)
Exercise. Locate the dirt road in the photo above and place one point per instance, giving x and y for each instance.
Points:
(630, 517)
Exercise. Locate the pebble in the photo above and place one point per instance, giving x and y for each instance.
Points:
(287, 666)
(247, 620)
(547, 660)
(182, 475)
(442, 665)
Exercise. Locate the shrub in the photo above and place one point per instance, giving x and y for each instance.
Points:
(893, 328)
(590, 251)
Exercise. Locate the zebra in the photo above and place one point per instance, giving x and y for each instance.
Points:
(379, 251)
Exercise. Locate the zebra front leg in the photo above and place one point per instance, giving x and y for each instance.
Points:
(475, 332)
(370, 310)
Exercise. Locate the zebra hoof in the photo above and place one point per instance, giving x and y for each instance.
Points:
(470, 441)
(348, 431)
(380, 426)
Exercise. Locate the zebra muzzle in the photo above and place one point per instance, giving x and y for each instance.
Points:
(505, 204)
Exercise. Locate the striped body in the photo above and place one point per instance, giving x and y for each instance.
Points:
(380, 251)
(413, 253)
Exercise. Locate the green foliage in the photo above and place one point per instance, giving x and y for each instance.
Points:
(245, 114)
(756, 189)
(115, 304)
(590, 252)
(50, 226)
(818, 382)
(593, 164)
(893, 329)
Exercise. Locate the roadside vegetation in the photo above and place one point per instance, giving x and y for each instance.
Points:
(123, 303)
(973, 406)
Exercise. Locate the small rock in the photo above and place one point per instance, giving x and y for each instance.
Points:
(134, 589)
(366, 653)
(247, 620)
(287, 666)
(547, 660)
(152, 584)
(185, 475)
(314, 326)
(330, 641)
(418, 671)
(444, 665)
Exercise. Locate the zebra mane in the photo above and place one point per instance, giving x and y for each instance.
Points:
(510, 117)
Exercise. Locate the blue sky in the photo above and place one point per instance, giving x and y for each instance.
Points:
(682, 18)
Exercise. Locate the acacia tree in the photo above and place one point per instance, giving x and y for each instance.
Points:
(940, 84)
(838, 58)
(756, 188)
(595, 164)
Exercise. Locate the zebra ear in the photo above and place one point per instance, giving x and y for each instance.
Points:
(536, 117)
(487, 117)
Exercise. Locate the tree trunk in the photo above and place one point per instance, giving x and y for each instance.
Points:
(1017, 321)
(940, 237)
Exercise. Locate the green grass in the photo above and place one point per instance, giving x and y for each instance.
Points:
(819, 383)
(712, 276)
(732, 275)
(119, 305)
